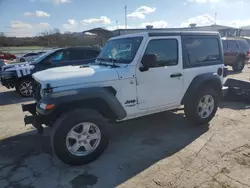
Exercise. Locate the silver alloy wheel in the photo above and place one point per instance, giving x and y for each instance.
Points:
(83, 139)
(206, 106)
(25, 88)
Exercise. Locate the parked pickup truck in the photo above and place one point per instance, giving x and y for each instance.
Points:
(133, 76)
(18, 75)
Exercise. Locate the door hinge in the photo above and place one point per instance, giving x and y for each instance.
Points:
(138, 82)
(139, 101)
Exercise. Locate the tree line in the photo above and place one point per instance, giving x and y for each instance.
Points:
(51, 38)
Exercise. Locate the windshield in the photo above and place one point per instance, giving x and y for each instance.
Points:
(120, 50)
(41, 57)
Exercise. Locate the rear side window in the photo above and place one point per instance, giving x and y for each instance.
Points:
(232, 46)
(91, 54)
(78, 54)
(202, 50)
(244, 46)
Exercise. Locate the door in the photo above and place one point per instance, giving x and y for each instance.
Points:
(231, 52)
(161, 85)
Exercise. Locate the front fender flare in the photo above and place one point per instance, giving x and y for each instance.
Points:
(67, 98)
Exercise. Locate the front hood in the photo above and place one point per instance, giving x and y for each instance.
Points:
(71, 75)
(10, 66)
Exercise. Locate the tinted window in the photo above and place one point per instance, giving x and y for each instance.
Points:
(202, 50)
(78, 54)
(224, 44)
(166, 51)
(91, 54)
(244, 46)
(59, 56)
(232, 46)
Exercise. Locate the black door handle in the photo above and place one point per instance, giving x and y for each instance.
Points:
(175, 75)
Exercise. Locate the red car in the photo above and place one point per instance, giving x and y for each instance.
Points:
(7, 56)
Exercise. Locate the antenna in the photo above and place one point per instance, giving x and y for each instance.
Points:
(125, 16)
(215, 17)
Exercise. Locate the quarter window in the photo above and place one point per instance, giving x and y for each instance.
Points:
(166, 51)
(202, 50)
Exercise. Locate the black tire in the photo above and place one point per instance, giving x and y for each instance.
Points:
(191, 107)
(22, 60)
(21, 91)
(239, 65)
(62, 127)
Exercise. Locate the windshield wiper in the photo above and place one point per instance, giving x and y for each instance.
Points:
(108, 60)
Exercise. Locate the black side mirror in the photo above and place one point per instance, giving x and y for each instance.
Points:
(148, 60)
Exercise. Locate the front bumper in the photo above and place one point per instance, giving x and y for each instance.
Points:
(224, 91)
(7, 79)
(35, 119)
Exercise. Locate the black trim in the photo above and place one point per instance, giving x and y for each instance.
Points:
(182, 33)
(66, 101)
(31, 108)
(200, 80)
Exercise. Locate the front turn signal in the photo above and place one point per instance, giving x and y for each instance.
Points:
(47, 106)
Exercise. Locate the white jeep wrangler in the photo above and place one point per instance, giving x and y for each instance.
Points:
(134, 75)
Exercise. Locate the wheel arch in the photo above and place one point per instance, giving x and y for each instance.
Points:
(241, 56)
(211, 80)
(101, 99)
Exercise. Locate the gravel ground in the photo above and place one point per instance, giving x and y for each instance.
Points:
(161, 150)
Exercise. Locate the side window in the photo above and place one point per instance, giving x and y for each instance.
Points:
(232, 46)
(202, 50)
(91, 54)
(224, 43)
(166, 51)
(244, 46)
(60, 56)
(78, 54)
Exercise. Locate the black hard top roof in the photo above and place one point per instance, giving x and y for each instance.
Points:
(183, 33)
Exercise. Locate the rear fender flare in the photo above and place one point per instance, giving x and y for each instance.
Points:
(212, 79)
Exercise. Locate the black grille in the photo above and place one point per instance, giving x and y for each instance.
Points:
(36, 91)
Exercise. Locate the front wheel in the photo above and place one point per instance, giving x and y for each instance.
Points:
(79, 137)
(25, 87)
(22, 60)
(203, 106)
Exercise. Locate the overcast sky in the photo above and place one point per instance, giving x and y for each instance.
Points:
(31, 17)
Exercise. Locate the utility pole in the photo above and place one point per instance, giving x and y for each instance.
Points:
(116, 24)
(126, 17)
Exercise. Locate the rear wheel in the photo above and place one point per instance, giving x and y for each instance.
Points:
(24, 87)
(79, 137)
(203, 106)
(239, 65)
(22, 60)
